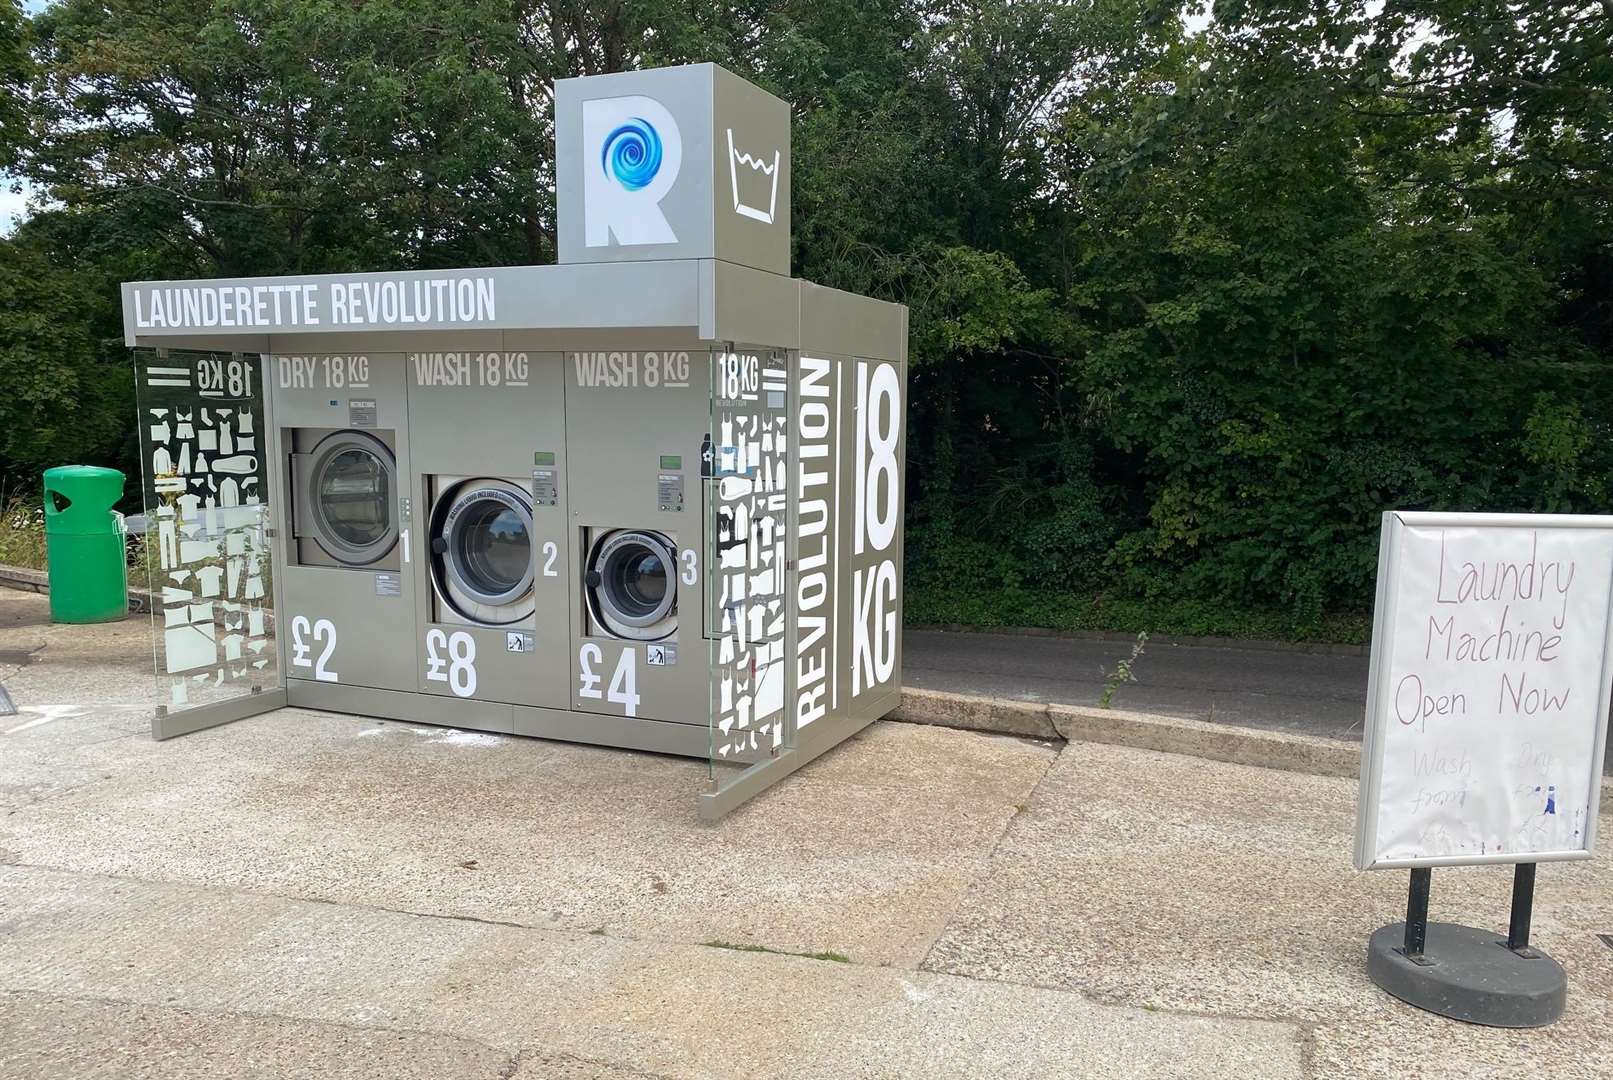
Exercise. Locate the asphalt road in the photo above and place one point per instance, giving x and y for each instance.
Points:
(1308, 693)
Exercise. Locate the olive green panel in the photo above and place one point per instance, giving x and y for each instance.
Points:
(751, 176)
(408, 706)
(341, 624)
(848, 612)
(480, 416)
(873, 473)
(635, 426)
(742, 304)
(845, 324)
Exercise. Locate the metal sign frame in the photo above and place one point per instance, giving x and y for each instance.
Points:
(1383, 625)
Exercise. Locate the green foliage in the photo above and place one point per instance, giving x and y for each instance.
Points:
(14, 71)
(1122, 672)
(1189, 311)
(22, 534)
(970, 605)
(833, 957)
(68, 387)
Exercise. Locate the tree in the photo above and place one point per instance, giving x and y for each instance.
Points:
(1189, 310)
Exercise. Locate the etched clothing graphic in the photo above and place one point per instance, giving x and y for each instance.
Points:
(206, 502)
(752, 466)
(753, 190)
(633, 151)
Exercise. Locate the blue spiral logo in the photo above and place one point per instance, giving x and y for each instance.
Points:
(632, 154)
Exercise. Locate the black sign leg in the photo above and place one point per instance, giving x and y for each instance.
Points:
(1417, 915)
(1523, 909)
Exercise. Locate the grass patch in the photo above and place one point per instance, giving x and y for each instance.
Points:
(22, 534)
(833, 957)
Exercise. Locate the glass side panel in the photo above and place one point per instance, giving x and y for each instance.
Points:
(206, 541)
(749, 542)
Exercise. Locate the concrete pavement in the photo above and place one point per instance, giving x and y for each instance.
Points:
(305, 894)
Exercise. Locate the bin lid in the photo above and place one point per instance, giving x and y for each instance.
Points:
(78, 498)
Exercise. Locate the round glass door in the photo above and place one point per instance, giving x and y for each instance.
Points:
(631, 587)
(354, 512)
(482, 551)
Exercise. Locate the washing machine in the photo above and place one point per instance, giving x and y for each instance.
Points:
(635, 429)
(487, 466)
(347, 601)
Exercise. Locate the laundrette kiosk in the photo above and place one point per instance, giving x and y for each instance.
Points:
(648, 497)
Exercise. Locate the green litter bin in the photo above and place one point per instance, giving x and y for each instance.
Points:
(89, 574)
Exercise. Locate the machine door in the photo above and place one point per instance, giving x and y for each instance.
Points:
(344, 497)
(481, 547)
(206, 544)
(631, 585)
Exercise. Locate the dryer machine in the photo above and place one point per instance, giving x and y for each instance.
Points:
(347, 604)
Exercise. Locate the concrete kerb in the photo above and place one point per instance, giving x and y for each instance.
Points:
(1143, 731)
(1140, 731)
(21, 577)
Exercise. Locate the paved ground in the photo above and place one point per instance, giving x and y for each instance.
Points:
(1307, 693)
(305, 894)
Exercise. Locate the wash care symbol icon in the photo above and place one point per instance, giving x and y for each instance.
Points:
(736, 158)
(633, 153)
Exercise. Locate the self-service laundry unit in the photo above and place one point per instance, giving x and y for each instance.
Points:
(649, 497)
(488, 430)
(342, 434)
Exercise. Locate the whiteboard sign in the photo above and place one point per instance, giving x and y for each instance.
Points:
(1488, 696)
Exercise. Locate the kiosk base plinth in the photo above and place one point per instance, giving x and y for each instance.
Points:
(1469, 974)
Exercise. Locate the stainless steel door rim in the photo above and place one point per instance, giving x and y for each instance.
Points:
(350, 498)
(481, 546)
(632, 584)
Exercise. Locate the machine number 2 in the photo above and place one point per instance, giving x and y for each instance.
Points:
(623, 689)
(458, 667)
(302, 632)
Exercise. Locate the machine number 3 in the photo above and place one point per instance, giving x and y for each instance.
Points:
(623, 684)
(458, 669)
(322, 631)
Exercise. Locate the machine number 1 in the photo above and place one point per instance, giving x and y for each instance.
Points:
(458, 668)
